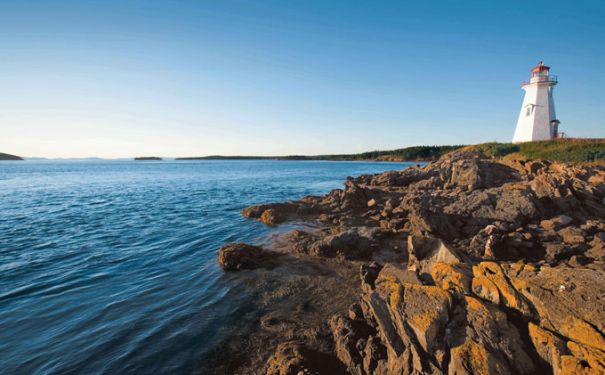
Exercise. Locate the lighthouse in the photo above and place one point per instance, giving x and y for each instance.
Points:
(537, 120)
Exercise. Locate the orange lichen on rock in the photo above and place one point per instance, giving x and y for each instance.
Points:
(490, 283)
(472, 358)
(426, 311)
(548, 346)
(582, 332)
(451, 277)
(585, 358)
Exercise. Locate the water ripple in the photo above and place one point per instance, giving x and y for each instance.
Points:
(109, 267)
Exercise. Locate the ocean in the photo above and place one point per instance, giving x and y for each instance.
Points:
(110, 266)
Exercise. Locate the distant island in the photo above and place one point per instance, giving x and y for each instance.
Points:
(564, 149)
(9, 157)
(142, 158)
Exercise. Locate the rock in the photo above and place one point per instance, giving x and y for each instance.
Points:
(472, 358)
(293, 358)
(455, 278)
(482, 347)
(278, 212)
(556, 222)
(426, 310)
(271, 217)
(369, 273)
(579, 261)
(557, 251)
(597, 249)
(402, 312)
(424, 251)
(372, 202)
(396, 274)
(354, 243)
(583, 360)
(549, 347)
(302, 241)
(572, 235)
(490, 283)
(238, 256)
(568, 301)
(354, 346)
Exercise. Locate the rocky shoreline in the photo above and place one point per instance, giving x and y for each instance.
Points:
(469, 265)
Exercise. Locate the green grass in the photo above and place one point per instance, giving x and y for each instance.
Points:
(564, 150)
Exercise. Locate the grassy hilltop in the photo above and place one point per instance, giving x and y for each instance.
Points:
(565, 150)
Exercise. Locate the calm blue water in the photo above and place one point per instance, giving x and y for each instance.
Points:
(109, 266)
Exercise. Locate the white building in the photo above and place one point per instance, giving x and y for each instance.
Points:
(537, 120)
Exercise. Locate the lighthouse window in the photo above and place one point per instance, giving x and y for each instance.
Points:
(528, 112)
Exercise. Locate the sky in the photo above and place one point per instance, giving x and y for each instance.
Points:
(190, 78)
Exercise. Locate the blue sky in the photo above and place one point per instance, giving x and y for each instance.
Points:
(184, 78)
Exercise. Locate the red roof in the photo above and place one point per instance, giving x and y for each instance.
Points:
(540, 68)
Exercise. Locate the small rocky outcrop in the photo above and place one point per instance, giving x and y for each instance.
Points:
(239, 256)
(472, 265)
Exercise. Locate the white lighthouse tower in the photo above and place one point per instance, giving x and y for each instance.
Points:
(537, 120)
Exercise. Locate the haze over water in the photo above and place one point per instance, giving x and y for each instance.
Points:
(110, 266)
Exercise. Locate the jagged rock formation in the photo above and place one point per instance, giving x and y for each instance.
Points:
(504, 269)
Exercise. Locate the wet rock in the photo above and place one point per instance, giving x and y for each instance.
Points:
(238, 256)
(272, 217)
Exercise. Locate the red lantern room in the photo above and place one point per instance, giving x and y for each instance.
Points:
(541, 73)
(540, 70)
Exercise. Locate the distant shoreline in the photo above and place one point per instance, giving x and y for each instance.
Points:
(567, 150)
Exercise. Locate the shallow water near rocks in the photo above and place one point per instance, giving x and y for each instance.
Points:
(110, 266)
